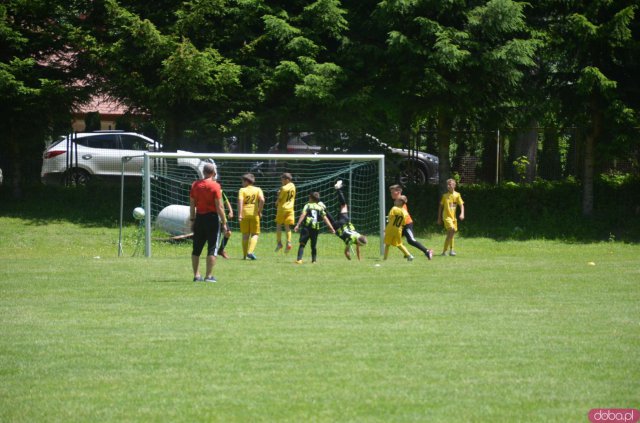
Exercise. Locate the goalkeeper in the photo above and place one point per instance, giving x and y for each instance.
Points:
(343, 226)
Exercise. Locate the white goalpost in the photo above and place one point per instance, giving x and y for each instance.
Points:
(166, 184)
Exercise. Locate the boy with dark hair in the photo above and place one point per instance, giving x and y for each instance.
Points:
(310, 218)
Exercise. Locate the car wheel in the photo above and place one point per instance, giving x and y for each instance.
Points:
(412, 174)
(76, 177)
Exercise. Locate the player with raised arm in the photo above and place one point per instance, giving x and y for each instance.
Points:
(250, 205)
(312, 213)
(343, 226)
(395, 225)
(284, 210)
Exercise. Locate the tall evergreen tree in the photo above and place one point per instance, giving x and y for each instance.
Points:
(39, 82)
(595, 47)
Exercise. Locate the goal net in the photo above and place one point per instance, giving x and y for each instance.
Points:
(167, 179)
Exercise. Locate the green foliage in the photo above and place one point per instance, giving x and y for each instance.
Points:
(541, 210)
(387, 68)
(521, 164)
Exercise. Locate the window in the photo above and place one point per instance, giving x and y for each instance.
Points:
(102, 141)
(131, 142)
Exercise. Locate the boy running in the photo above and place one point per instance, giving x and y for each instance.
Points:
(311, 215)
(395, 225)
(250, 204)
(285, 214)
(447, 214)
(407, 231)
(343, 226)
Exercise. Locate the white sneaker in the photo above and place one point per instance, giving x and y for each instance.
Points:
(452, 253)
(338, 184)
(409, 258)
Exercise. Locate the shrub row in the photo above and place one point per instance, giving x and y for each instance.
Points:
(550, 210)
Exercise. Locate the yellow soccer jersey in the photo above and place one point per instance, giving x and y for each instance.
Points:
(393, 231)
(250, 198)
(287, 197)
(450, 203)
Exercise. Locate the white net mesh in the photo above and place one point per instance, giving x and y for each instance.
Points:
(170, 182)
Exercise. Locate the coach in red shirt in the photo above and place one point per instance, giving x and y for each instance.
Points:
(207, 215)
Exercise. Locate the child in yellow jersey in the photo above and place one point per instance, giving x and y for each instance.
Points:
(395, 224)
(250, 204)
(407, 231)
(447, 214)
(285, 214)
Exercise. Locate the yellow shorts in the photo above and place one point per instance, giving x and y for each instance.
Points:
(394, 239)
(450, 223)
(285, 217)
(250, 225)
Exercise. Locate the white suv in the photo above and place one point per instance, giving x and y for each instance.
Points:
(74, 160)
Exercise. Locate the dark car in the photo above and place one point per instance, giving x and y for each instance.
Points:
(405, 166)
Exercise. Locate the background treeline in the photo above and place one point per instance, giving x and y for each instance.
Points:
(558, 78)
(542, 210)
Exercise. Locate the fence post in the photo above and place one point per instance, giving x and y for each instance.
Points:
(498, 157)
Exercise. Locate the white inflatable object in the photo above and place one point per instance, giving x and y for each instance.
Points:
(174, 220)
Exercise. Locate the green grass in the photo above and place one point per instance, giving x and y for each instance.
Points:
(506, 331)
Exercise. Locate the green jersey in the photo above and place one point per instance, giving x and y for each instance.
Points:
(347, 233)
(314, 214)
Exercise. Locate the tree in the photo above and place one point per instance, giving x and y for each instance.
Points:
(39, 77)
(596, 52)
(164, 75)
(448, 60)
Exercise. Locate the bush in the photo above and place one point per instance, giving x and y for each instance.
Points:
(542, 209)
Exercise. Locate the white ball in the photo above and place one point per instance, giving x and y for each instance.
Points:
(138, 213)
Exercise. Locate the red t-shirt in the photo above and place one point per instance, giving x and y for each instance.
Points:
(204, 193)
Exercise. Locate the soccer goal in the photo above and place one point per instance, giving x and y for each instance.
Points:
(165, 196)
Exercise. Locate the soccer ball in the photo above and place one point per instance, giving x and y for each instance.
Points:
(138, 213)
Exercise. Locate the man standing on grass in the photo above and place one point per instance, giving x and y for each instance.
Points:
(207, 218)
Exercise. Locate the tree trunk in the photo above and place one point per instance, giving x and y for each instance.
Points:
(589, 156)
(13, 173)
(550, 166)
(172, 134)
(444, 144)
(527, 145)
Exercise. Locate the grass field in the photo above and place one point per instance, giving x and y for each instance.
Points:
(504, 332)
